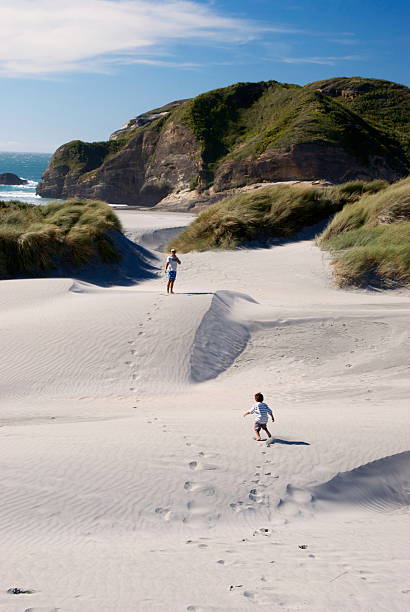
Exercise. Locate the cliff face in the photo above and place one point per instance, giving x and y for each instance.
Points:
(247, 133)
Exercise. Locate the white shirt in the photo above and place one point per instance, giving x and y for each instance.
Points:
(172, 263)
(261, 411)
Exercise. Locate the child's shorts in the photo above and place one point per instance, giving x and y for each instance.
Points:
(172, 274)
(259, 426)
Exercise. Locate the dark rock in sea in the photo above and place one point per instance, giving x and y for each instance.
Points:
(192, 152)
(8, 178)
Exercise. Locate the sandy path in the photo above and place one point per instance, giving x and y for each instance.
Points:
(130, 480)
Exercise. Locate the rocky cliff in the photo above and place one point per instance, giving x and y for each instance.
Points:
(337, 130)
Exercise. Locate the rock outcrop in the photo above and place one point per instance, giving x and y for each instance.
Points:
(8, 178)
(336, 130)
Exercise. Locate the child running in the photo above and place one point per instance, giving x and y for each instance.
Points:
(261, 412)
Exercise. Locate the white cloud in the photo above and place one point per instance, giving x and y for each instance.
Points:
(44, 37)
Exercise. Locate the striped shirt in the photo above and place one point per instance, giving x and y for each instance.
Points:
(261, 411)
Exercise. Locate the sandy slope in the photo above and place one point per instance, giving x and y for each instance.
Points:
(130, 480)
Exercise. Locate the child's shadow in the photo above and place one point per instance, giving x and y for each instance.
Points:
(288, 442)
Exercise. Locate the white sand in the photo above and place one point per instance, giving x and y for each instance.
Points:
(130, 480)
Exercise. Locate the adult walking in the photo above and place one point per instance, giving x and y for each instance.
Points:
(171, 266)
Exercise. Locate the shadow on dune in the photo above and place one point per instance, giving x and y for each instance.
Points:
(307, 233)
(290, 442)
(137, 264)
(379, 485)
(219, 338)
(382, 485)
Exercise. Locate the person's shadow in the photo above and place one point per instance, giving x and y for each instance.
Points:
(274, 440)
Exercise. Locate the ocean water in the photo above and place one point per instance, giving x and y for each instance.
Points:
(29, 166)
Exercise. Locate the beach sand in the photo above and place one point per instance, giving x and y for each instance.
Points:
(130, 480)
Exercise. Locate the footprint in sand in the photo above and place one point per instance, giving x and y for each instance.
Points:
(199, 488)
(260, 598)
(240, 506)
(294, 501)
(255, 496)
(42, 609)
(168, 515)
(194, 465)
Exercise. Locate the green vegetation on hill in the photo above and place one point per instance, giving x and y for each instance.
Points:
(247, 119)
(370, 239)
(224, 118)
(36, 239)
(82, 157)
(266, 213)
(367, 118)
(383, 104)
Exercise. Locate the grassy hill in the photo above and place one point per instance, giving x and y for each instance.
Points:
(247, 119)
(339, 129)
(370, 239)
(267, 213)
(383, 104)
(368, 234)
(37, 239)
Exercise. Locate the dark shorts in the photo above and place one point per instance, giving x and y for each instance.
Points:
(259, 426)
(172, 274)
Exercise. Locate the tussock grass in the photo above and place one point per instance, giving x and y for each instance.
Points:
(370, 239)
(353, 190)
(36, 239)
(265, 213)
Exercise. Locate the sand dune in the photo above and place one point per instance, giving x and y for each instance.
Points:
(130, 480)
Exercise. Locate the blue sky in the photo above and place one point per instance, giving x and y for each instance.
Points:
(81, 68)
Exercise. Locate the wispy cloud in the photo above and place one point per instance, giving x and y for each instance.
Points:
(325, 61)
(344, 41)
(47, 38)
(44, 37)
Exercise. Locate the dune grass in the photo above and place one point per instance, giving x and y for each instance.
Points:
(370, 239)
(265, 213)
(37, 239)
